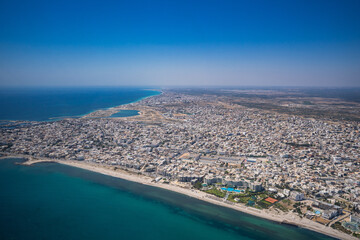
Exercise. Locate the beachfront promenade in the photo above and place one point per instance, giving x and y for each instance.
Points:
(185, 139)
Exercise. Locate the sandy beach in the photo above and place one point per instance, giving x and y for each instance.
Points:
(287, 218)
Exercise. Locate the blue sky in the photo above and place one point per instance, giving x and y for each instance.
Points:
(180, 43)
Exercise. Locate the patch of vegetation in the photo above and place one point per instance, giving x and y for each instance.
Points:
(297, 205)
(244, 199)
(216, 192)
(263, 195)
(340, 227)
(257, 198)
(298, 211)
(281, 207)
(198, 185)
(263, 204)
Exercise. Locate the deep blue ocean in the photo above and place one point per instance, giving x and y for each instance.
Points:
(43, 104)
(53, 201)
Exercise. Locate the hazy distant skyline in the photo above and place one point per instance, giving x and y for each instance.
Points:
(180, 43)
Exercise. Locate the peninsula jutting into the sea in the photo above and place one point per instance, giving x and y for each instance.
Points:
(287, 155)
(180, 119)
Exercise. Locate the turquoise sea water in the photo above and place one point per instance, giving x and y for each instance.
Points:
(52, 201)
(43, 104)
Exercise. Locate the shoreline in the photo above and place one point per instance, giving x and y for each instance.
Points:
(117, 107)
(283, 218)
(54, 119)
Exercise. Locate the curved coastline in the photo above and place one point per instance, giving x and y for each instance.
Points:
(159, 92)
(52, 116)
(145, 180)
(207, 198)
(107, 112)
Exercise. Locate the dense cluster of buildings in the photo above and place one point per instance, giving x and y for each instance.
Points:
(216, 142)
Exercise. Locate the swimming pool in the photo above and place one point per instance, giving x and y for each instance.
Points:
(231, 190)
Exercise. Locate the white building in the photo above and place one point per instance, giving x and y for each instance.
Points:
(286, 192)
(329, 214)
(297, 196)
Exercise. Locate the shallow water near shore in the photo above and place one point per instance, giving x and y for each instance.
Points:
(125, 113)
(48, 104)
(54, 201)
